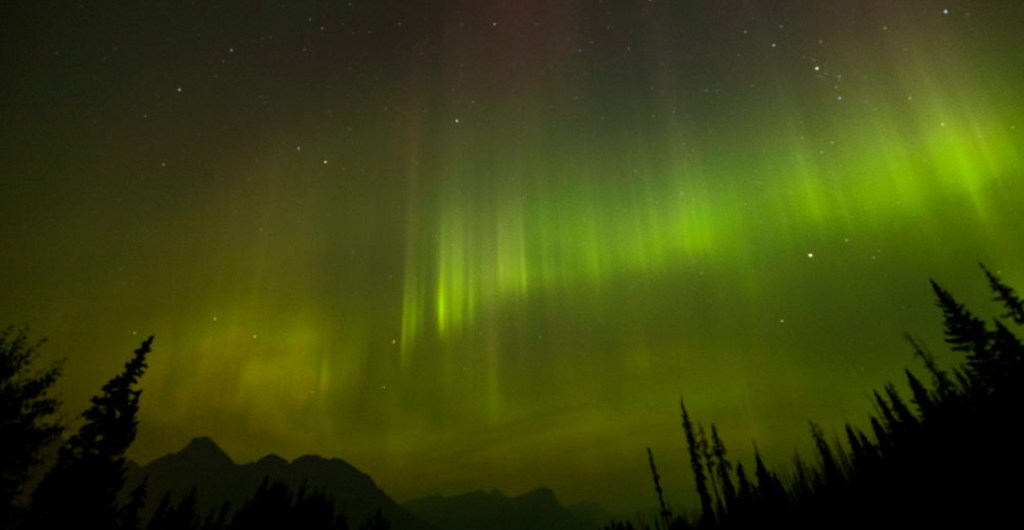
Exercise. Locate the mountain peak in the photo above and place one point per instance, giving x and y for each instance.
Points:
(272, 460)
(218, 480)
(203, 448)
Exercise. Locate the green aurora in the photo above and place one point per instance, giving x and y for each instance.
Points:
(489, 244)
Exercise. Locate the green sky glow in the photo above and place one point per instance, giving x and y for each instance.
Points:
(489, 244)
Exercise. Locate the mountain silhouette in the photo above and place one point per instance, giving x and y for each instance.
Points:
(480, 510)
(218, 479)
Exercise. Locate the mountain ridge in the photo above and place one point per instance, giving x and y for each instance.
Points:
(218, 479)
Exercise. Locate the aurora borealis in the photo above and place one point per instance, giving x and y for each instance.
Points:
(474, 244)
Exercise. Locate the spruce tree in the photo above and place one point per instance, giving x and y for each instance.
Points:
(1005, 294)
(802, 485)
(723, 468)
(856, 448)
(887, 414)
(1009, 353)
(217, 519)
(184, 515)
(903, 414)
(699, 476)
(666, 515)
(269, 507)
(710, 465)
(921, 397)
(376, 521)
(159, 520)
(966, 333)
(26, 414)
(881, 435)
(81, 489)
(745, 492)
(832, 474)
(943, 385)
(130, 516)
(770, 491)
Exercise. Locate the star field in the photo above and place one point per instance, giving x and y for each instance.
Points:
(473, 244)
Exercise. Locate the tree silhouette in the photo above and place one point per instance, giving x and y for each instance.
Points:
(769, 487)
(217, 519)
(665, 514)
(273, 505)
(1005, 294)
(940, 378)
(375, 522)
(723, 469)
(966, 333)
(269, 507)
(921, 396)
(830, 468)
(951, 464)
(131, 513)
(82, 487)
(745, 492)
(184, 515)
(707, 509)
(159, 519)
(26, 411)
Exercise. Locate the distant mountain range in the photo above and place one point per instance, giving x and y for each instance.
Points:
(218, 479)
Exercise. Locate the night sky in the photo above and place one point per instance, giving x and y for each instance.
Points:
(472, 244)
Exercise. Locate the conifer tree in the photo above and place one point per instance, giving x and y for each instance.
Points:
(314, 511)
(745, 492)
(1009, 353)
(269, 507)
(699, 476)
(870, 450)
(830, 468)
(375, 522)
(81, 489)
(966, 333)
(769, 488)
(666, 515)
(921, 396)
(902, 412)
(159, 519)
(217, 519)
(887, 413)
(856, 448)
(881, 435)
(184, 515)
(944, 386)
(181, 516)
(1005, 294)
(26, 414)
(802, 483)
(129, 517)
(709, 465)
(723, 468)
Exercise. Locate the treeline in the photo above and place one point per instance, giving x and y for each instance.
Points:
(83, 488)
(947, 456)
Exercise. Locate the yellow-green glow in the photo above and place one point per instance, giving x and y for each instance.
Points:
(476, 244)
(578, 233)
